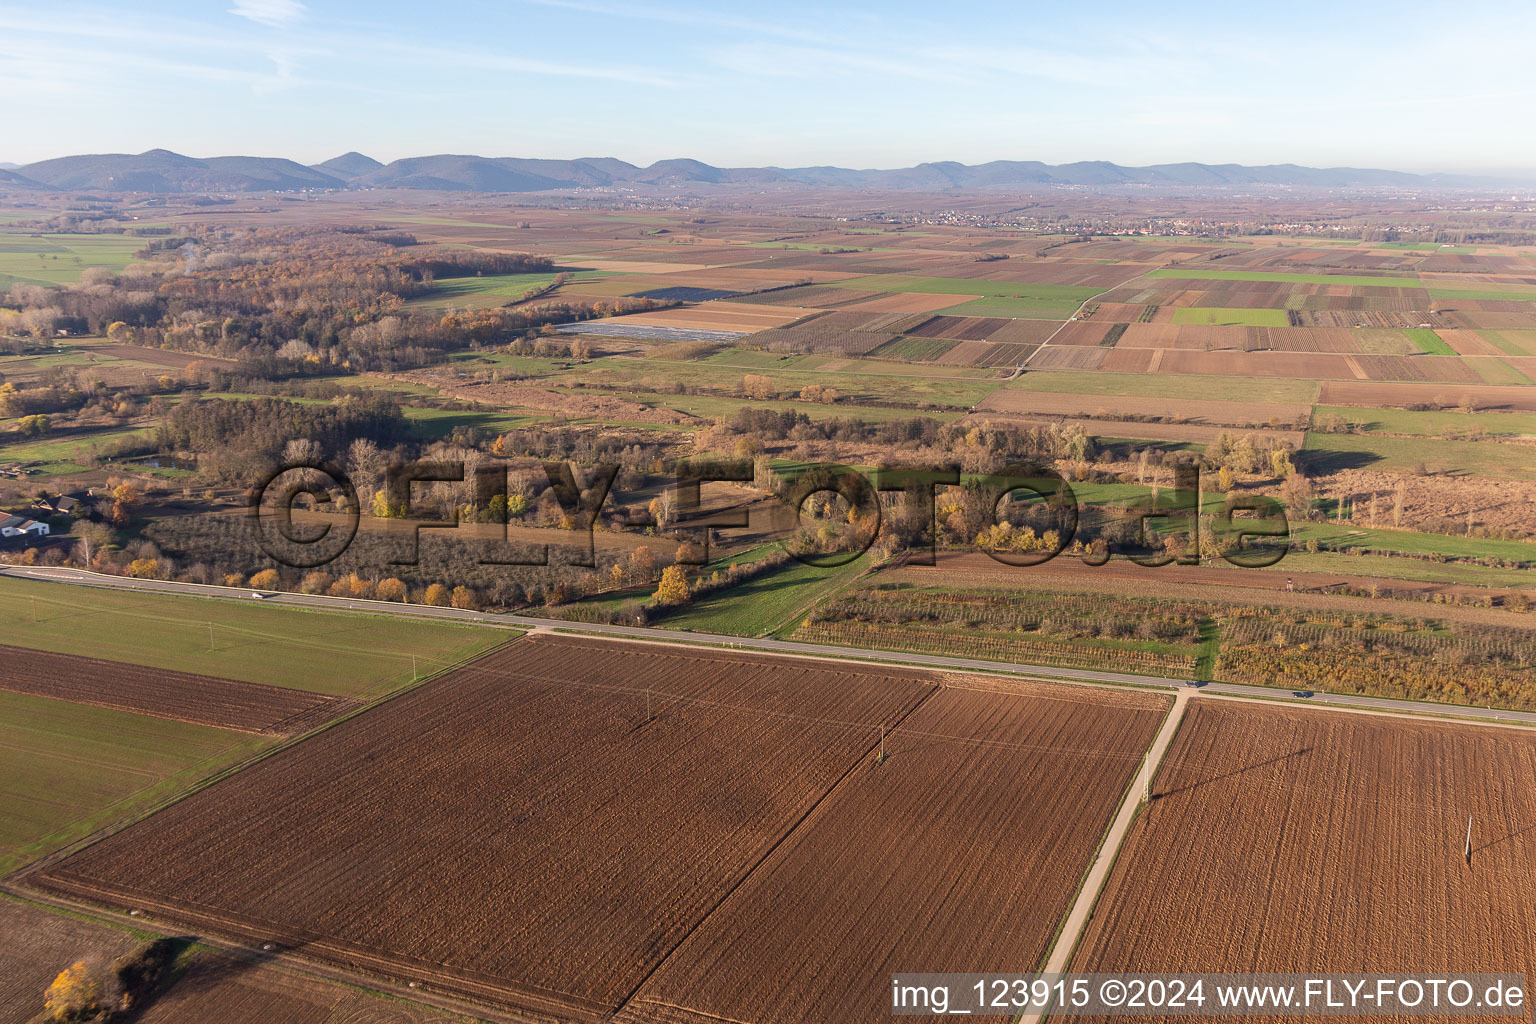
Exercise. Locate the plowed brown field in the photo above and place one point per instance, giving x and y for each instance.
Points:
(1214, 411)
(181, 696)
(1500, 399)
(1286, 840)
(516, 831)
(961, 851)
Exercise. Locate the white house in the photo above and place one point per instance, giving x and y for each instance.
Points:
(16, 526)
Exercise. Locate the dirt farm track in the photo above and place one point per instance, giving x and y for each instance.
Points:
(630, 852)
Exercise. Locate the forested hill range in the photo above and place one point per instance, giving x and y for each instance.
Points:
(164, 172)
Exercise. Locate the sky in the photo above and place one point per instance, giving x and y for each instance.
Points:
(1403, 85)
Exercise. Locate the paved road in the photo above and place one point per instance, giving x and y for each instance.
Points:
(81, 577)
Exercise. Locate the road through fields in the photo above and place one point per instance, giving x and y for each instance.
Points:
(1387, 705)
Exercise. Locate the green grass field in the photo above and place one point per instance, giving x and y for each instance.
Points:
(1429, 424)
(61, 259)
(1198, 274)
(1216, 316)
(916, 349)
(770, 603)
(68, 769)
(1408, 569)
(1348, 536)
(1429, 342)
(324, 652)
(1512, 294)
(1498, 371)
(59, 455)
(744, 357)
(495, 289)
(439, 423)
(1334, 452)
(904, 382)
(709, 406)
(997, 298)
(1511, 343)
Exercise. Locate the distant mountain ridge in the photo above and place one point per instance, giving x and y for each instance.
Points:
(162, 171)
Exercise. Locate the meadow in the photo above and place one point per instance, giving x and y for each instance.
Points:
(771, 603)
(60, 259)
(339, 654)
(497, 289)
(906, 388)
(1332, 452)
(1428, 424)
(67, 769)
(997, 298)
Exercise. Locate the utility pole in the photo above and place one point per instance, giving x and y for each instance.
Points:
(414, 676)
(1468, 852)
(210, 636)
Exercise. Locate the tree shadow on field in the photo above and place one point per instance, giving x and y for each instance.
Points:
(1233, 774)
(1325, 462)
(1509, 838)
(197, 976)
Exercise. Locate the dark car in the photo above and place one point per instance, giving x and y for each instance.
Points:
(1301, 693)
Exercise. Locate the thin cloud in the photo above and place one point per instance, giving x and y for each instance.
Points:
(690, 17)
(276, 13)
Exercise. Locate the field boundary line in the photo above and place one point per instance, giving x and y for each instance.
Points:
(1097, 875)
(853, 766)
(15, 881)
(512, 621)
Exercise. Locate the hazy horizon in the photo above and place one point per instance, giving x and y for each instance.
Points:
(862, 86)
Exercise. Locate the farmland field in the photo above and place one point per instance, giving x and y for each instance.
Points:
(67, 769)
(1230, 317)
(178, 696)
(605, 836)
(338, 655)
(1166, 386)
(1286, 840)
(1342, 280)
(1430, 424)
(208, 986)
(1429, 342)
(60, 259)
(961, 850)
(986, 298)
(1405, 454)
